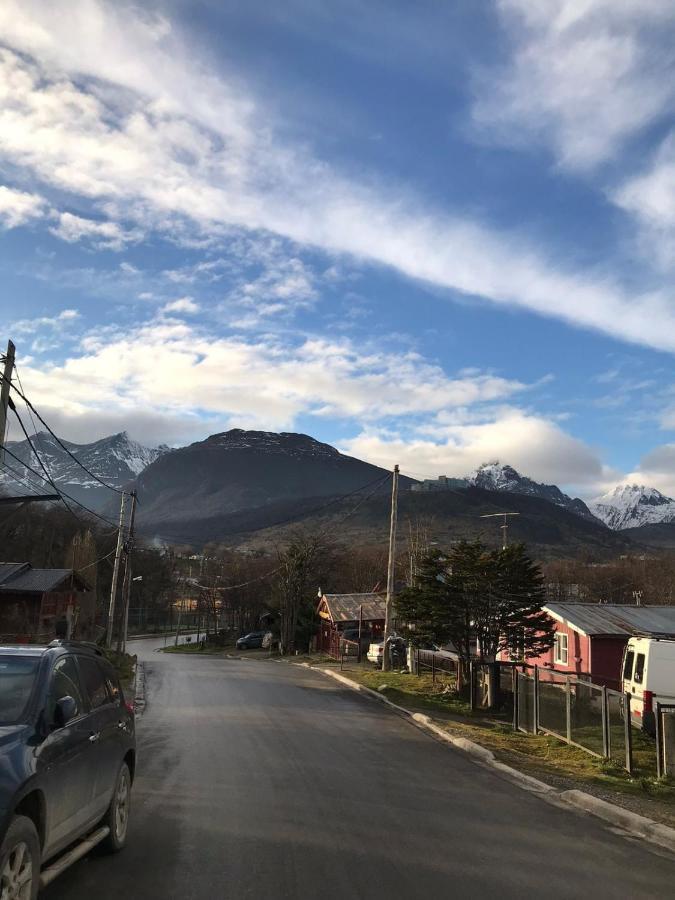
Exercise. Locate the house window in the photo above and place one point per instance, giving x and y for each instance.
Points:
(560, 649)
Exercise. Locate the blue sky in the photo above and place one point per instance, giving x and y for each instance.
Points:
(433, 234)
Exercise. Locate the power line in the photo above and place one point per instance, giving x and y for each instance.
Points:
(61, 492)
(60, 442)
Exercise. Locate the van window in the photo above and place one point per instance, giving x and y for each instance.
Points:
(628, 665)
(639, 668)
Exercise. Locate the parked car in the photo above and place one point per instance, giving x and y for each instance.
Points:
(375, 653)
(649, 677)
(251, 641)
(67, 761)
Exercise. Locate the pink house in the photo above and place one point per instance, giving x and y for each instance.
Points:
(590, 638)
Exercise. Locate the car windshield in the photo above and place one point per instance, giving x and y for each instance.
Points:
(17, 677)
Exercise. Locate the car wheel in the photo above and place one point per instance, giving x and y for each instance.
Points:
(117, 817)
(20, 861)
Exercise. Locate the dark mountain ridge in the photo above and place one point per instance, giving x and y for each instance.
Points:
(242, 474)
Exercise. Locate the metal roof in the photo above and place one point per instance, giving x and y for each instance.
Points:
(8, 570)
(614, 619)
(22, 578)
(345, 607)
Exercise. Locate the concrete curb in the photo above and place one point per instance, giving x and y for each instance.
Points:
(139, 689)
(630, 822)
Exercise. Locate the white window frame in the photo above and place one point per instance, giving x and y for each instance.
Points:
(561, 648)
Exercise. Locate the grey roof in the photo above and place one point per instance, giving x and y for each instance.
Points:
(22, 578)
(345, 607)
(9, 570)
(615, 619)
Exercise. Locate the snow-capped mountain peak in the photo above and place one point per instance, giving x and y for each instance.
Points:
(633, 505)
(496, 476)
(116, 460)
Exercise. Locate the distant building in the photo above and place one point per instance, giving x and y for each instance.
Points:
(32, 601)
(442, 483)
(340, 613)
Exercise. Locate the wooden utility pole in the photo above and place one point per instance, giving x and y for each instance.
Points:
(8, 361)
(390, 571)
(126, 585)
(115, 575)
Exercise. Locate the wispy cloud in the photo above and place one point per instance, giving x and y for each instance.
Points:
(583, 76)
(19, 207)
(181, 144)
(102, 235)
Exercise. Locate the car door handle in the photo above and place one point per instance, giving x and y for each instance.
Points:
(94, 737)
(122, 726)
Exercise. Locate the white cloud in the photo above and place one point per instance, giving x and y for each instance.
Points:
(103, 235)
(532, 444)
(26, 326)
(172, 369)
(649, 196)
(18, 207)
(583, 76)
(181, 144)
(182, 305)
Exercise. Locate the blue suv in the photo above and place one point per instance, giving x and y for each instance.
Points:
(67, 759)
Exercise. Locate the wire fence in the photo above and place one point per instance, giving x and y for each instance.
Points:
(586, 715)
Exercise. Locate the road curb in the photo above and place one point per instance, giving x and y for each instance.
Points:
(634, 823)
(139, 689)
(630, 822)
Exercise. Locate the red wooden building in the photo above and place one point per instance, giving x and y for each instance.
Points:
(32, 601)
(590, 638)
(339, 613)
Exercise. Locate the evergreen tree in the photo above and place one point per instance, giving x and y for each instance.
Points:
(478, 597)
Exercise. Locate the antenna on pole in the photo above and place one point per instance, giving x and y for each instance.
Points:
(504, 527)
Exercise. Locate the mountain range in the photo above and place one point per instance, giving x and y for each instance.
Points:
(632, 506)
(117, 460)
(243, 482)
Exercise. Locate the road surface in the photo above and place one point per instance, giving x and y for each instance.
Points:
(259, 779)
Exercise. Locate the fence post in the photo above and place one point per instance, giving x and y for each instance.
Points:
(514, 682)
(568, 709)
(628, 733)
(535, 729)
(472, 702)
(659, 742)
(605, 730)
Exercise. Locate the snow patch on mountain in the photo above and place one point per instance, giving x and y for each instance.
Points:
(496, 476)
(633, 505)
(116, 460)
(287, 443)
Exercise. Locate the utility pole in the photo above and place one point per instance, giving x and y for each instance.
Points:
(390, 570)
(8, 361)
(115, 575)
(126, 584)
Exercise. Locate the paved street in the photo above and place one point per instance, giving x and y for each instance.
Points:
(258, 779)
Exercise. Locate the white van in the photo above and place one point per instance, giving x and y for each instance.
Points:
(649, 677)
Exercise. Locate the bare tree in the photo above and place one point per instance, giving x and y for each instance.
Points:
(297, 566)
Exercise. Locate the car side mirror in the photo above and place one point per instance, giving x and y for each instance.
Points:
(66, 709)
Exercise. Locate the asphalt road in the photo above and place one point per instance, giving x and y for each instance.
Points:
(259, 779)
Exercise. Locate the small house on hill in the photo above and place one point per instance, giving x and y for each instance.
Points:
(340, 613)
(590, 638)
(32, 601)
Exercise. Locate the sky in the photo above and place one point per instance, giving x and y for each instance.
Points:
(433, 234)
